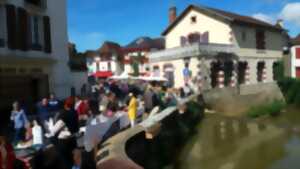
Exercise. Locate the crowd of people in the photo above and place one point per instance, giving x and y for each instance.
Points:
(59, 122)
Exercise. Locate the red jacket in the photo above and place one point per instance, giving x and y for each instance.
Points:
(82, 109)
(11, 157)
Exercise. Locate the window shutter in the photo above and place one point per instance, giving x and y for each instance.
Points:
(205, 37)
(22, 29)
(47, 34)
(11, 26)
(182, 41)
(29, 32)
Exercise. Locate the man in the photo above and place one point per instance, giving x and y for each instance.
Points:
(54, 105)
(148, 95)
(132, 109)
(43, 111)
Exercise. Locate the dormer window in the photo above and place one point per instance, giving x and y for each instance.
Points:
(194, 19)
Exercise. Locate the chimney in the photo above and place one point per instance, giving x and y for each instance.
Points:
(279, 23)
(172, 14)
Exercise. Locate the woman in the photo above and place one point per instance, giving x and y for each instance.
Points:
(132, 109)
(19, 118)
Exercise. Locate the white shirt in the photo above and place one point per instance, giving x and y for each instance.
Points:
(37, 135)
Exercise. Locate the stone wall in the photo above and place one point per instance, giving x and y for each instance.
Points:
(236, 101)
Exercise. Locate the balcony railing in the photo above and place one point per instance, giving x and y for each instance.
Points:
(192, 50)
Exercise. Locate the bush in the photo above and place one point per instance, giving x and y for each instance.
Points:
(271, 109)
(291, 90)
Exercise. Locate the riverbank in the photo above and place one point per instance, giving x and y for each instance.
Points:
(234, 142)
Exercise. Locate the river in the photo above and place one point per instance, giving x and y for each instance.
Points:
(236, 143)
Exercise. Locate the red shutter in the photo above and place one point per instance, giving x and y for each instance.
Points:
(22, 29)
(47, 34)
(298, 53)
(297, 72)
(11, 26)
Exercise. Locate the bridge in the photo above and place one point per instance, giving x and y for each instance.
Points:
(113, 151)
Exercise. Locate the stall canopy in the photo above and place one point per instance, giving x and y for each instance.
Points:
(123, 76)
(103, 74)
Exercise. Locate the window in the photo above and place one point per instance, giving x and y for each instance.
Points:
(193, 19)
(109, 66)
(194, 38)
(2, 25)
(35, 33)
(260, 40)
(244, 35)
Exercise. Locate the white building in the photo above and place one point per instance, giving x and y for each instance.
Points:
(106, 61)
(33, 50)
(218, 48)
(295, 58)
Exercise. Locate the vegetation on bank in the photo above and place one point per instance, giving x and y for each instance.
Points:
(163, 149)
(290, 88)
(271, 109)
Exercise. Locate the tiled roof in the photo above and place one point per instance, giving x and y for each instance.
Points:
(296, 40)
(232, 17)
(145, 43)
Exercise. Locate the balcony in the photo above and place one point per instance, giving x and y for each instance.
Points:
(191, 50)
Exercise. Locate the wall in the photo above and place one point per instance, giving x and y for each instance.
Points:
(275, 41)
(219, 32)
(236, 101)
(56, 62)
(78, 79)
(60, 73)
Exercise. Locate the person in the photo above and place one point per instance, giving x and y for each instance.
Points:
(37, 134)
(148, 95)
(20, 120)
(132, 109)
(7, 155)
(82, 109)
(54, 105)
(77, 159)
(43, 111)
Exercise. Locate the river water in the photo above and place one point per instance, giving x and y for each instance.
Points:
(235, 143)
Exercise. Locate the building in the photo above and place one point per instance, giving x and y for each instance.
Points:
(216, 48)
(106, 61)
(33, 50)
(137, 51)
(295, 57)
(78, 67)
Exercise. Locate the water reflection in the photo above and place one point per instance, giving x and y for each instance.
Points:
(231, 143)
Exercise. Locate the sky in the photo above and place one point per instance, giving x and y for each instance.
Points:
(91, 22)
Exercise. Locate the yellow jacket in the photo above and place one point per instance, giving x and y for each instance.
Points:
(132, 108)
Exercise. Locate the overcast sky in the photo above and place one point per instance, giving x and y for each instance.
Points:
(90, 22)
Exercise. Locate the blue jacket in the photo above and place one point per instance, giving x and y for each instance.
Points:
(19, 118)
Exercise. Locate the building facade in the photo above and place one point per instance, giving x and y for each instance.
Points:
(33, 50)
(294, 59)
(137, 52)
(216, 48)
(106, 61)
